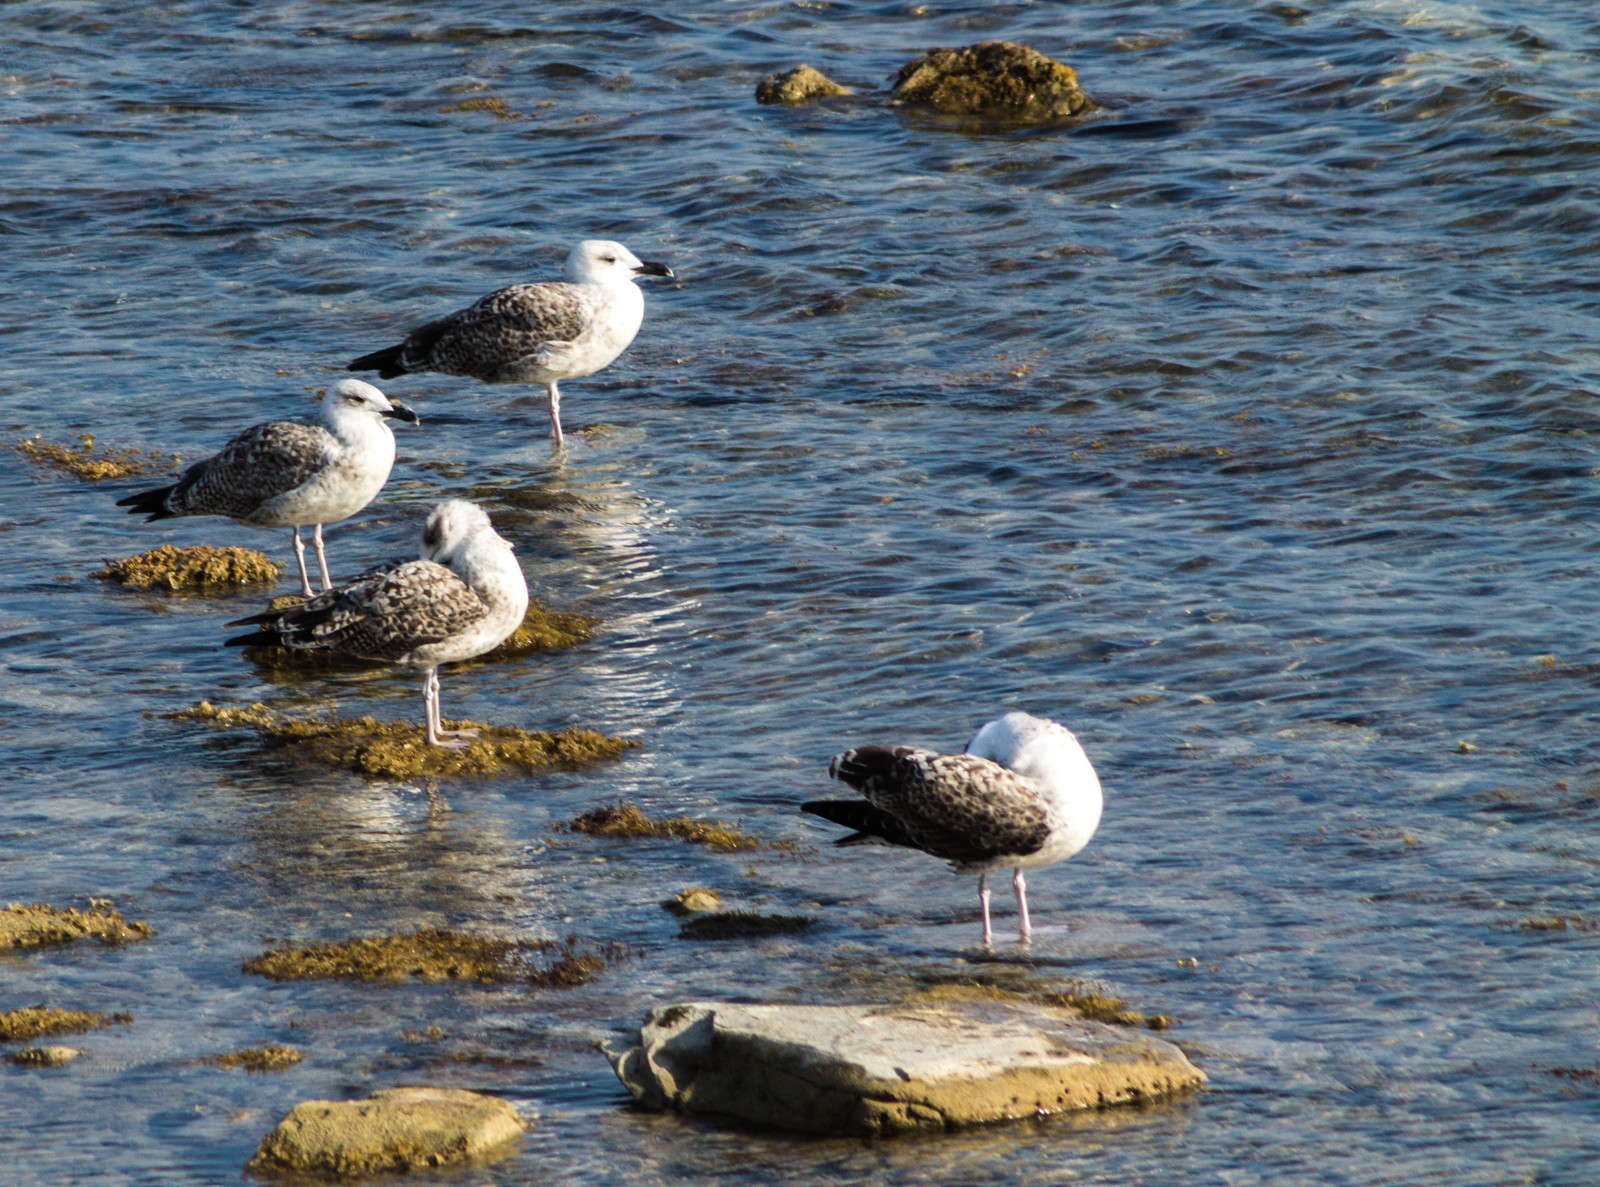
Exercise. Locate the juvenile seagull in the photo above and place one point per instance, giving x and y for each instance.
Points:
(1022, 795)
(289, 473)
(534, 333)
(463, 598)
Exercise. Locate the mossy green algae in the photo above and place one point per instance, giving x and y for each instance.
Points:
(32, 1022)
(39, 925)
(87, 466)
(194, 568)
(272, 1058)
(627, 821)
(399, 750)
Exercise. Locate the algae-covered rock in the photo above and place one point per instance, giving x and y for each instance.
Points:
(86, 465)
(194, 568)
(875, 1070)
(436, 955)
(272, 1058)
(33, 1022)
(693, 900)
(997, 79)
(399, 750)
(401, 1129)
(741, 925)
(40, 925)
(43, 1056)
(800, 85)
(625, 820)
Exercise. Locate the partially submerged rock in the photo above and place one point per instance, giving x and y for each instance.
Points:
(741, 925)
(40, 925)
(876, 1070)
(435, 955)
(401, 1129)
(399, 750)
(83, 463)
(800, 85)
(271, 1058)
(996, 79)
(43, 1056)
(33, 1022)
(625, 820)
(195, 568)
(693, 900)
(1083, 1000)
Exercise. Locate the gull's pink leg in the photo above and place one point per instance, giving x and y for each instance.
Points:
(983, 898)
(1024, 928)
(300, 556)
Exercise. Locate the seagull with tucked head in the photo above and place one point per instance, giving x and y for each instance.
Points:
(534, 333)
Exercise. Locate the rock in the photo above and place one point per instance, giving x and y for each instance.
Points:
(693, 900)
(400, 1129)
(877, 1070)
(999, 79)
(800, 85)
(44, 1056)
(40, 925)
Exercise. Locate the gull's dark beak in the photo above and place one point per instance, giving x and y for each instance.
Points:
(401, 412)
(646, 268)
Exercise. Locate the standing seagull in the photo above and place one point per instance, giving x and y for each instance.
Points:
(463, 598)
(289, 473)
(534, 333)
(1022, 795)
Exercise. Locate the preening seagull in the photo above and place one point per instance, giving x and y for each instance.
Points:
(463, 598)
(289, 473)
(534, 333)
(1022, 795)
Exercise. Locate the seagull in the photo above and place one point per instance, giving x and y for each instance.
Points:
(289, 473)
(534, 333)
(1022, 795)
(463, 598)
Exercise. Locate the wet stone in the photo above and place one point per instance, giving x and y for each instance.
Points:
(799, 85)
(693, 900)
(996, 79)
(43, 1056)
(398, 1130)
(40, 925)
(272, 1058)
(33, 1022)
(877, 1070)
(197, 568)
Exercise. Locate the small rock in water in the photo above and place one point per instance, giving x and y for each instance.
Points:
(44, 1056)
(401, 1129)
(800, 85)
(999, 79)
(40, 925)
(874, 1070)
(693, 900)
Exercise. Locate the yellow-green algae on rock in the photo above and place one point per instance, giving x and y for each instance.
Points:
(50, 1056)
(399, 750)
(195, 568)
(800, 85)
(397, 1130)
(40, 925)
(436, 955)
(272, 1058)
(626, 821)
(87, 466)
(693, 900)
(997, 79)
(32, 1022)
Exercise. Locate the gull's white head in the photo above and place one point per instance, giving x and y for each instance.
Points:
(604, 261)
(451, 527)
(1046, 752)
(352, 397)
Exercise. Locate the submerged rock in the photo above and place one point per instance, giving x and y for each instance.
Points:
(83, 463)
(41, 925)
(693, 900)
(800, 85)
(625, 820)
(998, 79)
(34, 1022)
(401, 1129)
(273, 1058)
(741, 925)
(196, 568)
(398, 750)
(433, 955)
(878, 1070)
(43, 1056)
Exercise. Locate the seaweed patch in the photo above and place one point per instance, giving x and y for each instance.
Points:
(40, 925)
(83, 463)
(626, 821)
(272, 1058)
(741, 925)
(32, 1022)
(436, 955)
(195, 568)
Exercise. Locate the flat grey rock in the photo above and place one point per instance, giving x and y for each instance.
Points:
(879, 1069)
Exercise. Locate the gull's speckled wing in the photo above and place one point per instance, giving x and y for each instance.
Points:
(491, 337)
(261, 463)
(956, 806)
(385, 614)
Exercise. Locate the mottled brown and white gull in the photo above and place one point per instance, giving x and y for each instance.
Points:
(1022, 795)
(534, 333)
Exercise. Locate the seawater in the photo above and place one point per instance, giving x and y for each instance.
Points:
(1246, 427)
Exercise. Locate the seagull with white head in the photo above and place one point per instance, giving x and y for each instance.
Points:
(464, 597)
(534, 333)
(290, 473)
(1022, 795)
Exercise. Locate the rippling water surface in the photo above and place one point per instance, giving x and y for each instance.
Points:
(1246, 426)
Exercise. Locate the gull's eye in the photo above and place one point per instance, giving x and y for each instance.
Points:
(609, 259)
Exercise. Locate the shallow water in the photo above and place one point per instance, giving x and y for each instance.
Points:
(1245, 427)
